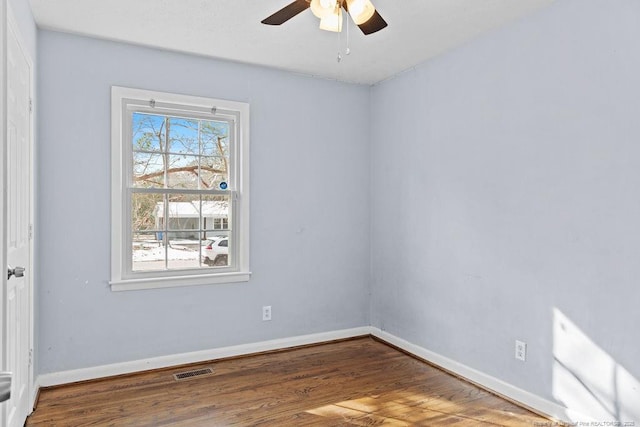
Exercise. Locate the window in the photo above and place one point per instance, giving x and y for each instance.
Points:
(180, 187)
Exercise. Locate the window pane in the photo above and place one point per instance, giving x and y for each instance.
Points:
(214, 172)
(147, 212)
(148, 255)
(215, 213)
(148, 132)
(182, 252)
(182, 171)
(148, 170)
(183, 136)
(147, 222)
(215, 138)
(184, 215)
(215, 252)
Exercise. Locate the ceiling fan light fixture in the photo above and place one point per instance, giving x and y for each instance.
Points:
(332, 22)
(360, 10)
(323, 8)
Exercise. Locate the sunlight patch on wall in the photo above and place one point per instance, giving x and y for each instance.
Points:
(588, 381)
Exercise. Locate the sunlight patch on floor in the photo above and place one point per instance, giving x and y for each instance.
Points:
(415, 408)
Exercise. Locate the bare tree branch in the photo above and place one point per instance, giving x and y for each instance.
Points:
(221, 151)
(192, 169)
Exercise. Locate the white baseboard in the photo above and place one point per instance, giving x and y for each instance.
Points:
(500, 387)
(84, 374)
(35, 389)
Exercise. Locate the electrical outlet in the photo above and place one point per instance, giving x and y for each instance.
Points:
(266, 312)
(521, 350)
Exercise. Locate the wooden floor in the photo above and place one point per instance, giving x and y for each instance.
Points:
(360, 382)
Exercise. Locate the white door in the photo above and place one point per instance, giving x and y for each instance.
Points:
(18, 226)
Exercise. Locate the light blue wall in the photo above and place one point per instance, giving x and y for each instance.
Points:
(505, 182)
(309, 213)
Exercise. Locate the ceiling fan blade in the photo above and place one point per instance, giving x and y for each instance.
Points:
(375, 23)
(287, 12)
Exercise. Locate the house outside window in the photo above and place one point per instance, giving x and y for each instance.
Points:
(180, 183)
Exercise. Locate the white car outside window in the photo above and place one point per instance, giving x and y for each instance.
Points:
(216, 252)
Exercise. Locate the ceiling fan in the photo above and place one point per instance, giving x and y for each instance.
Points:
(365, 16)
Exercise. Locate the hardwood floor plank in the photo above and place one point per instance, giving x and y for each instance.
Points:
(360, 382)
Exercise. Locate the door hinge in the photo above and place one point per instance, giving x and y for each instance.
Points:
(31, 105)
(30, 231)
(30, 356)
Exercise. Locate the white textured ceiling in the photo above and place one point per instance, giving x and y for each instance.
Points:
(231, 29)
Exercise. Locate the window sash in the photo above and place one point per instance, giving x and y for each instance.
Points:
(230, 117)
(231, 231)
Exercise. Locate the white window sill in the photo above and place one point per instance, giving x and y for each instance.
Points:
(178, 281)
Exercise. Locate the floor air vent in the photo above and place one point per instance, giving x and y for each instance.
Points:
(192, 374)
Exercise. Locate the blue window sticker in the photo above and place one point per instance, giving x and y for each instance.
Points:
(223, 185)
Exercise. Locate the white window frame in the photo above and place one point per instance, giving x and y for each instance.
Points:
(123, 102)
